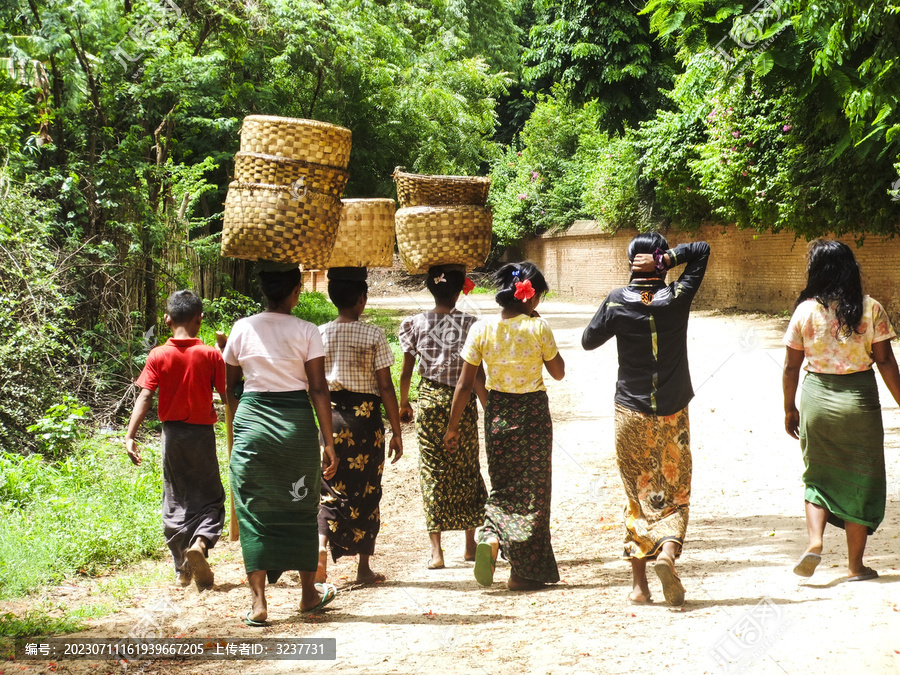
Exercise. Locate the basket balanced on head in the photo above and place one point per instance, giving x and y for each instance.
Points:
(443, 235)
(365, 236)
(284, 204)
(444, 220)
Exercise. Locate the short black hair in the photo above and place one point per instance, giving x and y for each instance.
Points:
(647, 242)
(184, 305)
(507, 277)
(445, 282)
(344, 293)
(277, 286)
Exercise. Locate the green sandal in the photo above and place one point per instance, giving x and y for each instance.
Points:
(484, 564)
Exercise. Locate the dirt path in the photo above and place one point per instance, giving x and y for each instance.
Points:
(743, 605)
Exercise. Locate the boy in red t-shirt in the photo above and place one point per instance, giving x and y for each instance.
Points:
(186, 371)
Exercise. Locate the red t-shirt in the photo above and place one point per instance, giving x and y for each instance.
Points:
(186, 371)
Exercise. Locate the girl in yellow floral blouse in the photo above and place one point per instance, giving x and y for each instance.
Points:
(515, 348)
(358, 368)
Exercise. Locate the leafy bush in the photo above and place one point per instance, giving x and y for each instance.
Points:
(59, 428)
(563, 169)
(38, 357)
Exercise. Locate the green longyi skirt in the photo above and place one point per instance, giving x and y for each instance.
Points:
(842, 438)
(276, 471)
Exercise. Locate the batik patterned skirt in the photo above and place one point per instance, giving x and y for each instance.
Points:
(276, 466)
(519, 440)
(842, 438)
(654, 457)
(452, 487)
(349, 514)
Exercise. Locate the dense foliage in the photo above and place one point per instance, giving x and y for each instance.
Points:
(119, 122)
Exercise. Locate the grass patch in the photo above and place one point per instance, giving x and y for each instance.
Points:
(89, 512)
(86, 515)
(315, 308)
(389, 321)
(37, 624)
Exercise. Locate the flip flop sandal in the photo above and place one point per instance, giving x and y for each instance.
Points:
(253, 623)
(672, 586)
(484, 564)
(865, 576)
(328, 591)
(807, 564)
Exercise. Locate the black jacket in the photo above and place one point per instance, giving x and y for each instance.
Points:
(649, 321)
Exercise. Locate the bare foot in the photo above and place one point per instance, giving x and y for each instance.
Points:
(437, 560)
(368, 577)
(517, 583)
(469, 553)
(322, 568)
(639, 597)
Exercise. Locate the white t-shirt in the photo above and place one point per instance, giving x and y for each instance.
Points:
(272, 349)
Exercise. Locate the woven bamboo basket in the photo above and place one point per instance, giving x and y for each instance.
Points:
(414, 189)
(365, 236)
(254, 167)
(306, 140)
(272, 222)
(443, 235)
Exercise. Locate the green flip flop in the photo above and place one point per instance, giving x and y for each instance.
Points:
(328, 591)
(253, 623)
(484, 564)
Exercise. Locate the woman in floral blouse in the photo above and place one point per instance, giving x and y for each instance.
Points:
(358, 369)
(841, 333)
(515, 347)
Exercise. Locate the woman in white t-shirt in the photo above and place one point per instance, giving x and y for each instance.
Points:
(276, 468)
(841, 333)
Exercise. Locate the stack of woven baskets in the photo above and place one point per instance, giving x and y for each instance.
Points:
(284, 204)
(443, 220)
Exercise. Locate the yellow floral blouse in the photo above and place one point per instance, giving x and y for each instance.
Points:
(513, 352)
(814, 331)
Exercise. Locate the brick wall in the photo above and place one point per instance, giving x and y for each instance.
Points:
(747, 270)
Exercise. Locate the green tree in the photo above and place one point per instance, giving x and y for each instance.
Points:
(603, 52)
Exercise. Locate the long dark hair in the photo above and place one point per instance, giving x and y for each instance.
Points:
(646, 242)
(833, 277)
(507, 276)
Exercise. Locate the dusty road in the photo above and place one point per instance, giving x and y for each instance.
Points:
(745, 611)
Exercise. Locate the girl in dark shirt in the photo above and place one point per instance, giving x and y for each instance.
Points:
(649, 321)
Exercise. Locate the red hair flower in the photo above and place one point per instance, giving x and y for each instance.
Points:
(524, 290)
(468, 285)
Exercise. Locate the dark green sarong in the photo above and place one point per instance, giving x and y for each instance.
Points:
(842, 438)
(276, 471)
